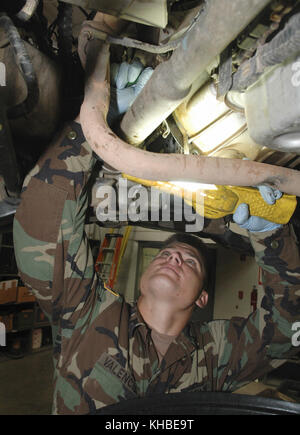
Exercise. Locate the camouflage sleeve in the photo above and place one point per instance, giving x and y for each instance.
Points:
(246, 349)
(52, 251)
(278, 256)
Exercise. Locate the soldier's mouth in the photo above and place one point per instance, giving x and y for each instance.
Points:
(171, 268)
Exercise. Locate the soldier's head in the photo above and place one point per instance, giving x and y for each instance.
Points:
(178, 275)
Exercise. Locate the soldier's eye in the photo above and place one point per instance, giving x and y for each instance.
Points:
(191, 261)
(165, 254)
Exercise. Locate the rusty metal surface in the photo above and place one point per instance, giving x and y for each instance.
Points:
(43, 120)
(171, 81)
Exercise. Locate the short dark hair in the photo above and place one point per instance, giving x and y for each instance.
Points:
(195, 242)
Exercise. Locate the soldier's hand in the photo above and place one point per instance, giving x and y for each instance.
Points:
(269, 194)
(254, 223)
(127, 81)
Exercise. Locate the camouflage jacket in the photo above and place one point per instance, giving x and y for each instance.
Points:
(103, 351)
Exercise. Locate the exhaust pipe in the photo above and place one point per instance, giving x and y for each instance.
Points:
(167, 167)
(219, 23)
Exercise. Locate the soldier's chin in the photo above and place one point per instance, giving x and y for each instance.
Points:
(164, 282)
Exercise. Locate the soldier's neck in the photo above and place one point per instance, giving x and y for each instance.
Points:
(162, 317)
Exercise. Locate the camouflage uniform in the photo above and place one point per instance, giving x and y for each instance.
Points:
(103, 351)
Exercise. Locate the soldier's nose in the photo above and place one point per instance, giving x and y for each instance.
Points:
(175, 258)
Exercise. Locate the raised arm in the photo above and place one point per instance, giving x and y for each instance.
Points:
(277, 253)
(249, 348)
(51, 247)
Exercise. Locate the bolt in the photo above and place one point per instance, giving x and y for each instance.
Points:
(72, 135)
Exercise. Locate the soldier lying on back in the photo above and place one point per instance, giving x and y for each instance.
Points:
(106, 350)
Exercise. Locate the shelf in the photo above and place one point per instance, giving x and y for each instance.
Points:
(41, 325)
(16, 304)
(9, 274)
(25, 317)
(4, 354)
(14, 331)
(25, 325)
(29, 328)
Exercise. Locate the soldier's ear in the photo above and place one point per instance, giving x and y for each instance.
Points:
(202, 299)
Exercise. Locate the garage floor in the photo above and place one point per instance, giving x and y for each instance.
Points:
(26, 384)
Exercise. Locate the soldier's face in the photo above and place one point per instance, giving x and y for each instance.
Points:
(176, 275)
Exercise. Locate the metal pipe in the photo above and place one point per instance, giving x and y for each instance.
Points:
(282, 47)
(220, 22)
(165, 167)
(144, 46)
(28, 10)
(26, 67)
(151, 48)
(8, 163)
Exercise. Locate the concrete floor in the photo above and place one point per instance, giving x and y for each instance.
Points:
(26, 384)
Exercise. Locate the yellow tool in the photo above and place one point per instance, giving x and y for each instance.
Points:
(218, 201)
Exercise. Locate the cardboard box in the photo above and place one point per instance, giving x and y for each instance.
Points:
(40, 316)
(24, 320)
(36, 339)
(8, 291)
(24, 295)
(7, 320)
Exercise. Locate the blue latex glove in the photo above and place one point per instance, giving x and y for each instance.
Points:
(127, 81)
(124, 75)
(255, 223)
(269, 195)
